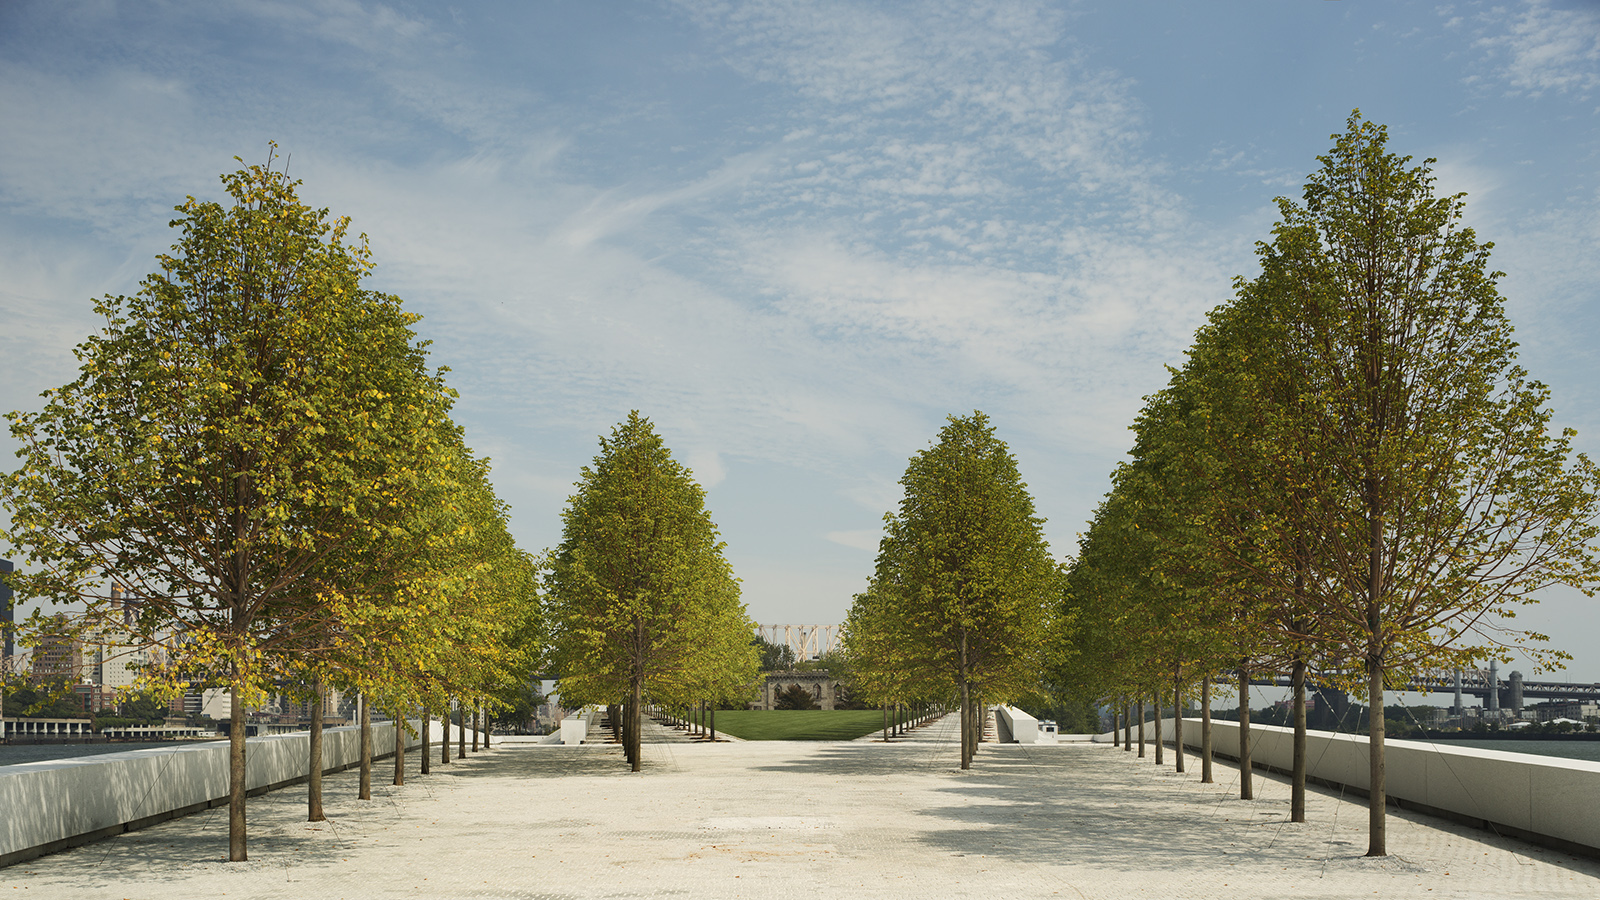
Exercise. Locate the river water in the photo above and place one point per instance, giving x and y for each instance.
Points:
(11, 754)
(1586, 750)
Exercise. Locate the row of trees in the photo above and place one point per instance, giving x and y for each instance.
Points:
(1349, 478)
(960, 607)
(256, 449)
(643, 606)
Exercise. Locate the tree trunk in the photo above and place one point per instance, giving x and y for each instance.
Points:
(1160, 736)
(1205, 732)
(713, 723)
(1141, 729)
(1247, 789)
(461, 733)
(1297, 784)
(314, 763)
(444, 734)
(1177, 726)
(1297, 685)
(486, 726)
(236, 782)
(966, 725)
(969, 743)
(1377, 826)
(1116, 730)
(1127, 725)
(399, 749)
(366, 749)
(970, 726)
(425, 749)
(636, 722)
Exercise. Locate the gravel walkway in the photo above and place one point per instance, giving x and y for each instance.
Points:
(778, 820)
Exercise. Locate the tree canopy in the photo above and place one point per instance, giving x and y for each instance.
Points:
(643, 605)
(256, 448)
(1363, 473)
(964, 587)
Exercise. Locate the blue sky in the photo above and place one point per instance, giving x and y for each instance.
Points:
(797, 235)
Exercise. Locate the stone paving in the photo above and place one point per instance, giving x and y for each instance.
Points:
(779, 819)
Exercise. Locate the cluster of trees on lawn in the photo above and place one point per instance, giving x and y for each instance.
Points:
(256, 448)
(1349, 478)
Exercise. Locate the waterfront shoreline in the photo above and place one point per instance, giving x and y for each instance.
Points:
(1576, 736)
(20, 753)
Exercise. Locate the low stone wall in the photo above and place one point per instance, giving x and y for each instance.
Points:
(1013, 726)
(1541, 799)
(55, 804)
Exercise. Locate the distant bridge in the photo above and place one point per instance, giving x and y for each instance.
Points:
(807, 641)
(1508, 692)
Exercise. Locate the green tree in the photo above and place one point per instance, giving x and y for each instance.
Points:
(841, 668)
(48, 699)
(449, 604)
(517, 707)
(963, 572)
(143, 709)
(878, 648)
(1219, 502)
(1447, 500)
(250, 413)
(794, 697)
(774, 657)
(643, 606)
(1262, 482)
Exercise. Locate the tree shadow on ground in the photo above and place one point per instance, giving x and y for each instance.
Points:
(1089, 807)
(551, 762)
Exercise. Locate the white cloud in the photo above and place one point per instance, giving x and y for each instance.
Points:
(706, 464)
(823, 295)
(853, 220)
(1547, 49)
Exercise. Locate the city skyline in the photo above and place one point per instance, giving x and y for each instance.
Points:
(798, 238)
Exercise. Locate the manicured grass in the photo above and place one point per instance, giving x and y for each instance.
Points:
(799, 724)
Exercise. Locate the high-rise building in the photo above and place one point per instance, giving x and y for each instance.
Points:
(113, 661)
(59, 655)
(7, 617)
(124, 607)
(213, 703)
(116, 656)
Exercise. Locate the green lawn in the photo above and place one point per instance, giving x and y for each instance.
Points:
(799, 724)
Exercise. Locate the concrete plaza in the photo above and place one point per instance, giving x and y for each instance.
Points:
(778, 820)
